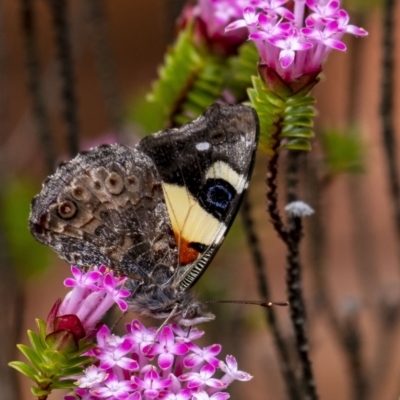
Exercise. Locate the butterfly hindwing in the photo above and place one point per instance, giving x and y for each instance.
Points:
(106, 206)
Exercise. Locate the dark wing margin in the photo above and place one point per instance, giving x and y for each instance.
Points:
(205, 167)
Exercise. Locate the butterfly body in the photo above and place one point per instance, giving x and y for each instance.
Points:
(155, 213)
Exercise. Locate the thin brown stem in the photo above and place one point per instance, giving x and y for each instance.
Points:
(294, 281)
(348, 336)
(32, 66)
(259, 263)
(64, 55)
(272, 188)
(388, 131)
(97, 23)
(291, 237)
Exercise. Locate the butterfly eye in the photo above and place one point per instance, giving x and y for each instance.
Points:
(67, 209)
(114, 183)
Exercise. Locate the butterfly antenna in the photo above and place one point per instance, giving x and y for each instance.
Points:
(165, 322)
(118, 320)
(257, 303)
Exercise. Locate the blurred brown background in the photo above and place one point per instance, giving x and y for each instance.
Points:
(361, 264)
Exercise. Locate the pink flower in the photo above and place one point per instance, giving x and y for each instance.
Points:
(140, 335)
(92, 377)
(113, 351)
(206, 396)
(209, 19)
(167, 348)
(93, 294)
(199, 356)
(231, 371)
(202, 378)
(185, 336)
(125, 368)
(114, 388)
(184, 394)
(151, 383)
(274, 8)
(289, 44)
(322, 12)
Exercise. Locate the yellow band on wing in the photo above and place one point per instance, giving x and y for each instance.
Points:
(189, 220)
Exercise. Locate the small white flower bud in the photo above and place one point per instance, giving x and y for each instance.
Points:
(299, 209)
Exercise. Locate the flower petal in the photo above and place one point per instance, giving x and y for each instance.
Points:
(165, 360)
(335, 44)
(286, 57)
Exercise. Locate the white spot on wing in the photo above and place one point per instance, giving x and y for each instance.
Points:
(202, 146)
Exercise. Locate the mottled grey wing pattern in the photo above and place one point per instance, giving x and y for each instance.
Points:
(106, 206)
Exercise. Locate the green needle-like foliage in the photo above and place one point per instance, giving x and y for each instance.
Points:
(285, 111)
(189, 81)
(243, 68)
(52, 360)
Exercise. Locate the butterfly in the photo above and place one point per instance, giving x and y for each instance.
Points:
(155, 213)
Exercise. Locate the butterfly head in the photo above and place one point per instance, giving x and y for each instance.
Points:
(164, 302)
(192, 312)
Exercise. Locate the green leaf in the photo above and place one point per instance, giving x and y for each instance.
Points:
(64, 384)
(40, 392)
(78, 361)
(294, 121)
(42, 330)
(54, 358)
(70, 372)
(297, 132)
(265, 103)
(30, 354)
(243, 67)
(44, 381)
(299, 101)
(35, 342)
(25, 369)
(300, 111)
(296, 144)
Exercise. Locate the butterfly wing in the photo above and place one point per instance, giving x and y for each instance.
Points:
(156, 213)
(205, 167)
(106, 206)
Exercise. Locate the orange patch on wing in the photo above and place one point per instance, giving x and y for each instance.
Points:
(186, 253)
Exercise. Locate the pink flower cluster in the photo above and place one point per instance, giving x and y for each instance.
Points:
(93, 294)
(145, 365)
(217, 14)
(287, 41)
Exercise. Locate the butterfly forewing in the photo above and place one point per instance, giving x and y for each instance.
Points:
(204, 168)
